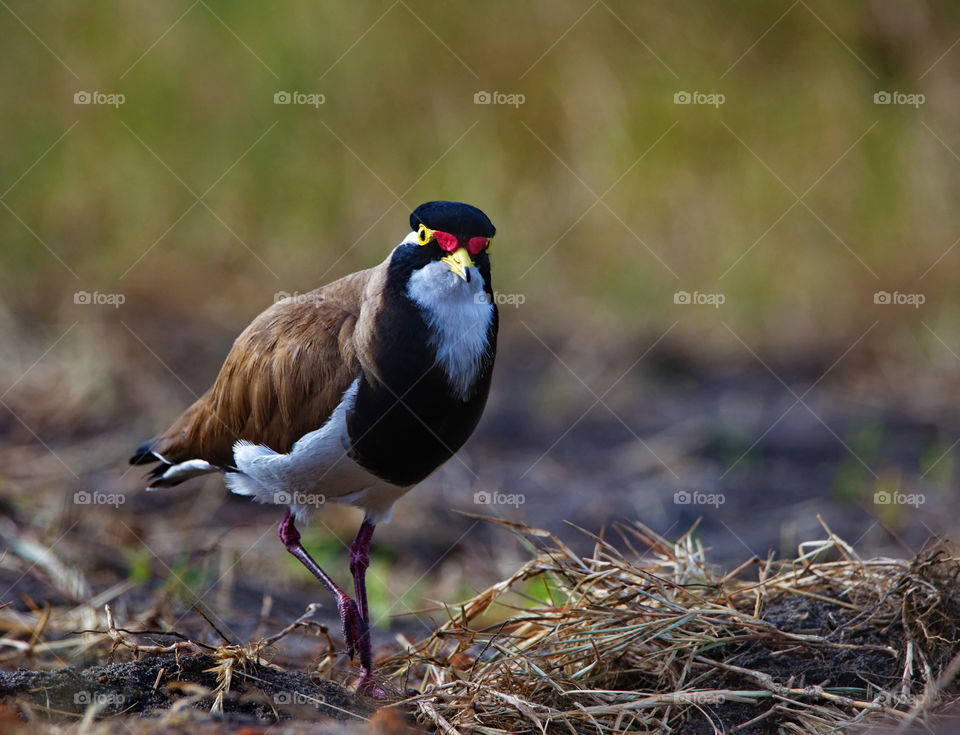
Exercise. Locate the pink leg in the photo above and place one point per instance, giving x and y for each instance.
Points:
(359, 561)
(354, 627)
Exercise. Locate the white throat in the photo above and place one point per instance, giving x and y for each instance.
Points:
(458, 315)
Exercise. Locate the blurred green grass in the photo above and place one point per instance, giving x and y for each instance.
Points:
(309, 194)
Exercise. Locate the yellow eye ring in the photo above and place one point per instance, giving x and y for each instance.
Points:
(424, 234)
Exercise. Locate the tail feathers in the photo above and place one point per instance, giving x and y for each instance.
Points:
(155, 475)
(145, 455)
(167, 473)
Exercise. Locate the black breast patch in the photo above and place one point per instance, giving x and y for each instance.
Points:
(403, 428)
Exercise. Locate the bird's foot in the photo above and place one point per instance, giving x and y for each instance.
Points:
(368, 686)
(356, 633)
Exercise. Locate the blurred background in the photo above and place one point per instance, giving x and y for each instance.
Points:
(726, 263)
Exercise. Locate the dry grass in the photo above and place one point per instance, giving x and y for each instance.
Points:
(663, 643)
(647, 639)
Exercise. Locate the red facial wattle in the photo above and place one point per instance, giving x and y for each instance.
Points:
(450, 243)
(446, 241)
(476, 245)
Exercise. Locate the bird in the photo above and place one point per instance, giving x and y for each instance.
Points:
(352, 393)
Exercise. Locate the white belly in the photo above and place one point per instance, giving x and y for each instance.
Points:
(316, 471)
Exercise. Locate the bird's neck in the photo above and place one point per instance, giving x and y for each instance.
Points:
(458, 316)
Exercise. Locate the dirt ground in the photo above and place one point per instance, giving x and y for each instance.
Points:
(671, 432)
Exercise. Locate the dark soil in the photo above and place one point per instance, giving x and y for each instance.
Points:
(861, 667)
(260, 695)
(720, 429)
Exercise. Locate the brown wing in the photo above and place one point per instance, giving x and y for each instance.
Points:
(282, 378)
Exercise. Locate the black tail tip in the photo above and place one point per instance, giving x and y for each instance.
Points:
(155, 476)
(144, 454)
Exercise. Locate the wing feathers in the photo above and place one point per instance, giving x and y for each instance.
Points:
(283, 376)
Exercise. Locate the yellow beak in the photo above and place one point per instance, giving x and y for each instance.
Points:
(459, 261)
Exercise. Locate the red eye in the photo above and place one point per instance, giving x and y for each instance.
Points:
(476, 245)
(445, 240)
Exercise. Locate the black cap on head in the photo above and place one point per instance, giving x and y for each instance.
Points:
(457, 218)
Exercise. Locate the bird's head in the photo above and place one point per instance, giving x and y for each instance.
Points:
(453, 233)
